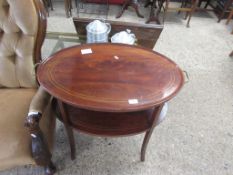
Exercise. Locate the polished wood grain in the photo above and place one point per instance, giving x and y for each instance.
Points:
(113, 78)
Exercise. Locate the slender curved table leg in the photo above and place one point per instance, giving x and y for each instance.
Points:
(69, 129)
(148, 134)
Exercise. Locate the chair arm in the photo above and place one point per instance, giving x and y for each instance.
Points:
(39, 145)
(39, 101)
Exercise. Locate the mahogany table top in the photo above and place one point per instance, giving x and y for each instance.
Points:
(110, 77)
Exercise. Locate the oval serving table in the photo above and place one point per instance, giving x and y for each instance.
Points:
(110, 89)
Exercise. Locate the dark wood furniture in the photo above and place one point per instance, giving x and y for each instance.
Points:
(223, 8)
(110, 89)
(132, 3)
(146, 34)
(188, 6)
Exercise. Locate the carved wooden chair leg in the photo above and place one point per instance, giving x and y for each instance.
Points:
(69, 130)
(155, 117)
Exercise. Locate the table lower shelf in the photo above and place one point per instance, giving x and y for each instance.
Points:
(109, 124)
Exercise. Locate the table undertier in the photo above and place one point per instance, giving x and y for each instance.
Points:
(109, 124)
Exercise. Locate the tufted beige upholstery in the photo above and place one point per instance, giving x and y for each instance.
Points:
(22, 30)
(18, 31)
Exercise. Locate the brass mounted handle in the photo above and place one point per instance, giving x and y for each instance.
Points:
(186, 76)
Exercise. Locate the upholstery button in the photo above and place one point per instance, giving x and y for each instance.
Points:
(6, 7)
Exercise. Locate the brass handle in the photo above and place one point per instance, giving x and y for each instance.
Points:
(186, 75)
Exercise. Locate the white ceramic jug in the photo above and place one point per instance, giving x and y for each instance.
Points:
(124, 37)
(97, 32)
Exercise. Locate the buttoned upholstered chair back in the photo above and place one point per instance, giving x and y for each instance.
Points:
(20, 43)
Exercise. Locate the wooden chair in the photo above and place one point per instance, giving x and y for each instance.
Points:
(183, 8)
(20, 99)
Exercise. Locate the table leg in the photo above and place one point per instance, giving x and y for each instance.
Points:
(69, 129)
(155, 117)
